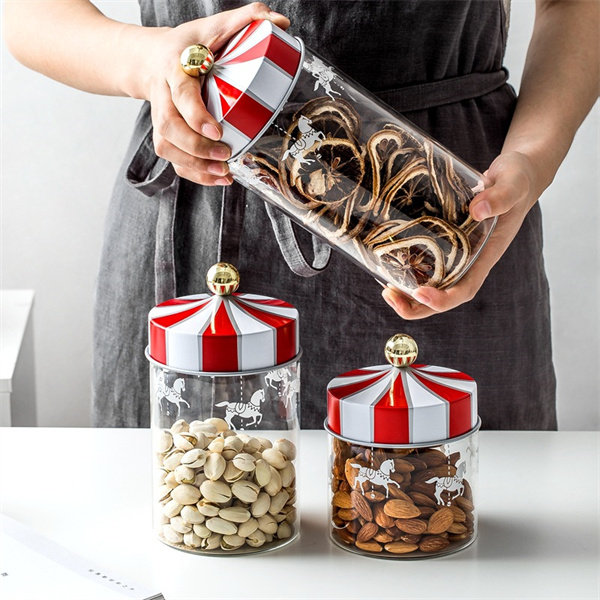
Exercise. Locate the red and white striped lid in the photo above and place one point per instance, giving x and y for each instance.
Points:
(401, 405)
(250, 80)
(230, 333)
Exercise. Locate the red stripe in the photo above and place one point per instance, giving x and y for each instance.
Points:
(333, 413)
(228, 94)
(248, 116)
(247, 33)
(459, 405)
(391, 417)
(343, 391)
(276, 50)
(285, 329)
(158, 344)
(220, 344)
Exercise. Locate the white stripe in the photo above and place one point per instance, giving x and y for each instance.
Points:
(434, 369)
(239, 75)
(233, 42)
(213, 104)
(356, 412)
(257, 340)
(181, 340)
(342, 381)
(234, 138)
(270, 85)
(430, 414)
(282, 311)
(171, 309)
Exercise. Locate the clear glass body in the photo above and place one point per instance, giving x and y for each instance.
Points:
(405, 502)
(225, 459)
(365, 180)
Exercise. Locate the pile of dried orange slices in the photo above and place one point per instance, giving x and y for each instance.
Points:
(403, 207)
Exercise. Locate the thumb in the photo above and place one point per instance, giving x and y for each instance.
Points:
(224, 25)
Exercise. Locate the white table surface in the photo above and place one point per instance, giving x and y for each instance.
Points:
(90, 490)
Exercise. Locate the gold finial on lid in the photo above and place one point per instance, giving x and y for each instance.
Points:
(223, 279)
(197, 60)
(401, 350)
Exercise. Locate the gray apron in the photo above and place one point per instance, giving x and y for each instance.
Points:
(440, 63)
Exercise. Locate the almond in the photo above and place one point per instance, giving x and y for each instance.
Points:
(345, 536)
(384, 537)
(367, 531)
(456, 529)
(397, 477)
(423, 488)
(342, 500)
(361, 505)
(423, 476)
(347, 514)
(459, 515)
(444, 471)
(374, 496)
(403, 466)
(440, 520)
(353, 526)
(410, 538)
(423, 499)
(416, 526)
(400, 547)
(415, 462)
(426, 511)
(396, 492)
(459, 538)
(433, 457)
(454, 458)
(464, 504)
(369, 546)
(381, 518)
(433, 543)
(400, 509)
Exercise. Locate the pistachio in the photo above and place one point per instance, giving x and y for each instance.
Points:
(218, 525)
(213, 542)
(262, 473)
(160, 520)
(185, 441)
(159, 475)
(163, 442)
(216, 491)
(214, 466)
(234, 443)
(163, 492)
(261, 505)
(245, 491)
(180, 426)
(192, 540)
(283, 531)
(191, 514)
(172, 509)
(184, 474)
(194, 458)
(288, 475)
(186, 494)
(275, 458)
(201, 530)
(278, 502)
(228, 453)
(251, 445)
(232, 542)
(208, 509)
(228, 433)
(173, 459)
(171, 481)
(207, 428)
(264, 443)
(267, 524)
(179, 525)
(256, 539)
(274, 484)
(244, 462)
(290, 514)
(248, 528)
(204, 439)
(279, 517)
(232, 473)
(219, 424)
(200, 478)
(217, 445)
(235, 514)
(287, 448)
(172, 536)
(268, 538)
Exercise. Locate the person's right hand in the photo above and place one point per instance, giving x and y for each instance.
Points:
(185, 133)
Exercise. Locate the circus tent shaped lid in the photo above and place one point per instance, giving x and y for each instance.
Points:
(225, 332)
(403, 404)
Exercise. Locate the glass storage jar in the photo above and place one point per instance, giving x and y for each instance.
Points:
(335, 159)
(224, 388)
(403, 458)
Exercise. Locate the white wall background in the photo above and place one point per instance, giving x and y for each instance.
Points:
(60, 152)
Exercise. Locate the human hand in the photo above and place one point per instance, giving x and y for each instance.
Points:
(511, 190)
(185, 133)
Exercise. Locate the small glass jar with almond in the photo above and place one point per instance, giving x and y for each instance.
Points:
(394, 493)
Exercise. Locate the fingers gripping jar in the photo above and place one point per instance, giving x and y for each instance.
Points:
(224, 388)
(322, 149)
(403, 457)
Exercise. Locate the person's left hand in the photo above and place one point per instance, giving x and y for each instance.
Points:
(511, 191)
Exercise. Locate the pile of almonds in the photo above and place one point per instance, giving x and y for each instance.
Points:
(218, 489)
(408, 519)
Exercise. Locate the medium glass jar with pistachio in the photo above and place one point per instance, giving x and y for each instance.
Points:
(224, 388)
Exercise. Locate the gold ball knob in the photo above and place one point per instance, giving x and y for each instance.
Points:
(223, 279)
(197, 60)
(401, 350)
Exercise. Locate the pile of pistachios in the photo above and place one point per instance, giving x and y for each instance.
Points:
(221, 490)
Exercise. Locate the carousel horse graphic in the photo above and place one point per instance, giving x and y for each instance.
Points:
(304, 144)
(288, 387)
(323, 74)
(244, 410)
(449, 484)
(379, 476)
(171, 394)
